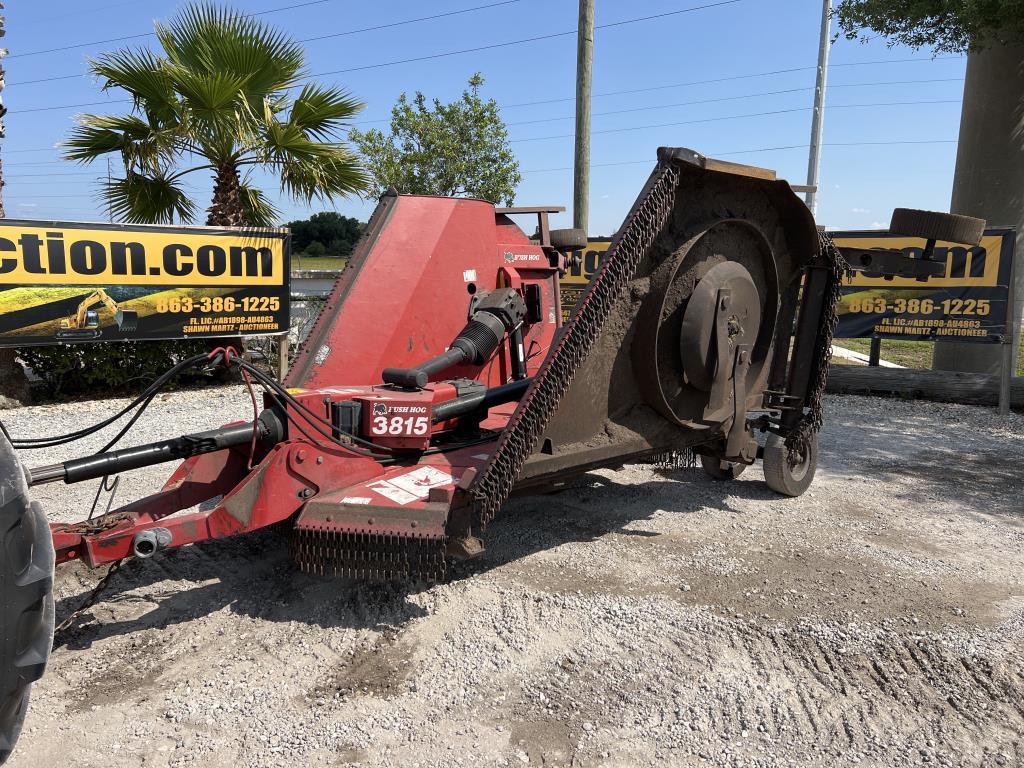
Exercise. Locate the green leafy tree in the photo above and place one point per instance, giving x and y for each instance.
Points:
(218, 97)
(336, 233)
(316, 248)
(948, 26)
(452, 149)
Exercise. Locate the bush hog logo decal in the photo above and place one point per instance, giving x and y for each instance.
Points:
(399, 420)
(412, 485)
(511, 258)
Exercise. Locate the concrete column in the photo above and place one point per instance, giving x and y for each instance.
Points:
(989, 178)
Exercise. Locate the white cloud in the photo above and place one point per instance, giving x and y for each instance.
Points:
(859, 210)
(28, 205)
(879, 225)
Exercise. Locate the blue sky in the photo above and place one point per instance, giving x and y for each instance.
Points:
(901, 96)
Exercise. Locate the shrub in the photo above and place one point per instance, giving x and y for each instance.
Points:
(118, 368)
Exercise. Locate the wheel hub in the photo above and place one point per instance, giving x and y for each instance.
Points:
(726, 289)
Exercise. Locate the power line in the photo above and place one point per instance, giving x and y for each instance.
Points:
(150, 34)
(667, 106)
(303, 40)
(736, 117)
(91, 10)
(734, 98)
(649, 161)
(534, 39)
(728, 79)
(69, 106)
(407, 21)
(38, 175)
(446, 53)
(663, 125)
(895, 142)
(37, 149)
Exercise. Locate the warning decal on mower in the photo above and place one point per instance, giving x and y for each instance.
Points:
(421, 480)
(74, 282)
(389, 491)
(412, 485)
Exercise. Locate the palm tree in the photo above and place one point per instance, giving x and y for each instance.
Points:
(218, 98)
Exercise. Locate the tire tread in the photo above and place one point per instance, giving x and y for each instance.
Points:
(26, 597)
(934, 225)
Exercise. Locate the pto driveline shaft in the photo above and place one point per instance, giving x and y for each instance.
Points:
(175, 449)
(506, 393)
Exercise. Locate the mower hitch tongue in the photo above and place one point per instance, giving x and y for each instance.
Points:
(438, 379)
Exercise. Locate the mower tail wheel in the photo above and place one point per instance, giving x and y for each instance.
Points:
(784, 476)
(932, 225)
(568, 239)
(721, 470)
(26, 596)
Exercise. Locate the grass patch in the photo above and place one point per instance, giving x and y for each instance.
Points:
(910, 354)
(332, 263)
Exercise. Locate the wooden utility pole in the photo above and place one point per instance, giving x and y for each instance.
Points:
(3, 111)
(818, 117)
(584, 60)
(13, 382)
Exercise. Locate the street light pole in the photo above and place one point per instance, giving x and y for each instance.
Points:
(584, 60)
(818, 118)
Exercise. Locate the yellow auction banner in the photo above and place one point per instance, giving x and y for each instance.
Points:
(575, 280)
(968, 302)
(69, 282)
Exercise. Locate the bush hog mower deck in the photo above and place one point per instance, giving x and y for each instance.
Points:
(437, 381)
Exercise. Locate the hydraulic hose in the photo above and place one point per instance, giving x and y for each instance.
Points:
(268, 430)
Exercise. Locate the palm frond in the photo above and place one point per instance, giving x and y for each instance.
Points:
(207, 37)
(141, 199)
(142, 144)
(207, 91)
(143, 75)
(322, 177)
(259, 211)
(286, 141)
(321, 112)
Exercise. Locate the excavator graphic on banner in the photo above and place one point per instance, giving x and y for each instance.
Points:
(85, 323)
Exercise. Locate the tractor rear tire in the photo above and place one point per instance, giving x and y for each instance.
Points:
(568, 239)
(721, 470)
(933, 225)
(26, 596)
(781, 475)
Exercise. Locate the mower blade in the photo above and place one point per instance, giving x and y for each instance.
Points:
(371, 542)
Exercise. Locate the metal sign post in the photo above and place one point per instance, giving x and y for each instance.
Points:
(1006, 359)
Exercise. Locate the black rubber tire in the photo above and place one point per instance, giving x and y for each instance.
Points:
(568, 239)
(721, 470)
(780, 476)
(26, 596)
(933, 225)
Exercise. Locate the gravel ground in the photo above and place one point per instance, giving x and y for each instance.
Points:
(643, 616)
